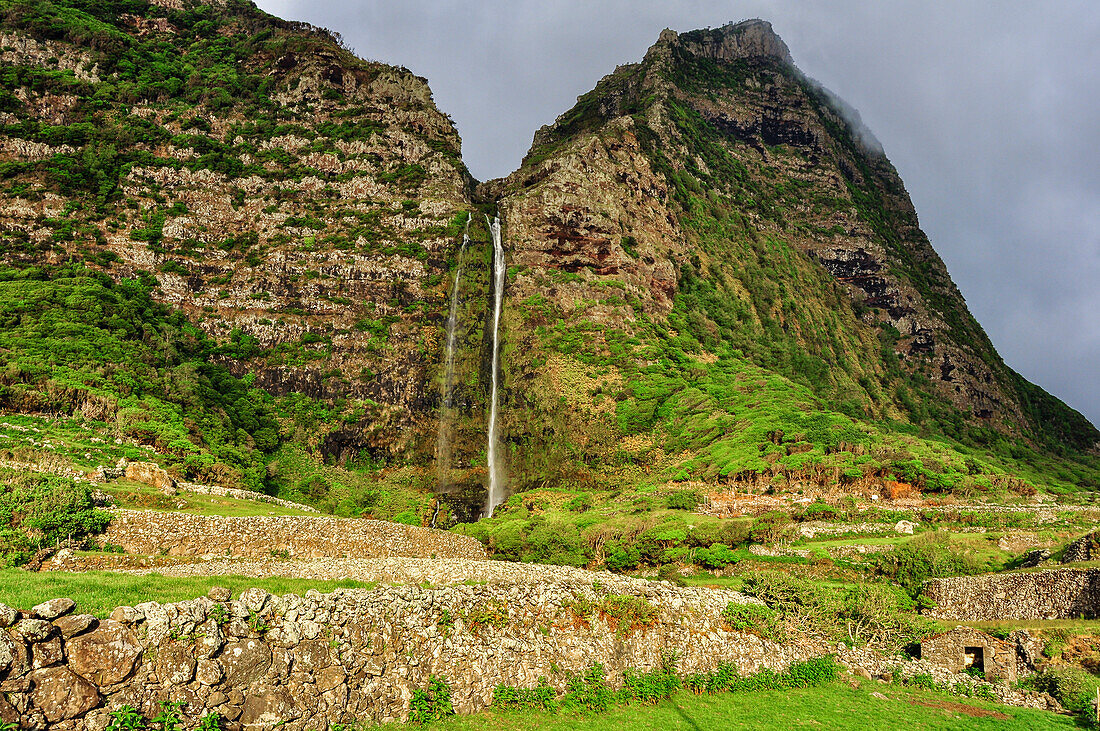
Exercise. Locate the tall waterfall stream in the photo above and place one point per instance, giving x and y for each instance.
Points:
(443, 442)
(496, 486)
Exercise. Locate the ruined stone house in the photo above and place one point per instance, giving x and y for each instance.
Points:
(964, 648)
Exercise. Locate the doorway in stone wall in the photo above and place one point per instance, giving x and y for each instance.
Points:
(974, 659)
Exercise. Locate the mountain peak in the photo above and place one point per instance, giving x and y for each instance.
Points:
(753, 38)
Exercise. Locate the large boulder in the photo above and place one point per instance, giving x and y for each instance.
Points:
(75, 624)
(53, 609)
(61, 694)
(245, 661)
(8, 616)
(105, 656)
(151, 474)
(266, 708)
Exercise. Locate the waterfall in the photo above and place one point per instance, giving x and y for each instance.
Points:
(443, 443)
(496, 488)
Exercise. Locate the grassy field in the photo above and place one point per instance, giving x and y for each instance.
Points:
(834, 706)
(138, 496)
(98, 592)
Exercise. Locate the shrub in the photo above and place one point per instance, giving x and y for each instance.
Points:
(1071, 686)
(817, 511)
(771, 527)
(651, 687)
(492, 615)
(669, 572)
(579, 504)
(716, 557)
(126, 718)
(432, 703)
(927, 556)
(882, 614)
(760, 621)
(588, 692)
(623, 613)
(542, 697)
(684, 500)
(41, 510)
(621, 558)
(811, 673)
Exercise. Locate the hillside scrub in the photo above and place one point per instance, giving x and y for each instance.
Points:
(75, 341)
(42, 510)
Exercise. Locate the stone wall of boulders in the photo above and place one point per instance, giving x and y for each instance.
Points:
(1051, 594)
(1085, 548)
(181, 534)
(354, 655)
(357, 655)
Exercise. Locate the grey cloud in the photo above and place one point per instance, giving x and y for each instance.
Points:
(990, 112)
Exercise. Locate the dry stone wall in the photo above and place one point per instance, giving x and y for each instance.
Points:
(151, 532)
(1052, 594)
(351, 655)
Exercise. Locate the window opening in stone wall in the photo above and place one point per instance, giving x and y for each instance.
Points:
(974, 657)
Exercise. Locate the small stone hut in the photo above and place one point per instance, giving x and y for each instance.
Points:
(963, 648)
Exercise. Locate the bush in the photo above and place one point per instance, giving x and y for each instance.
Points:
(926, 557)
(811, 673)
(588, 692)
(621, 558)
(883, 615)
(651, 687)
(38, 510)
(669, 572)
(684, 500)
(542, 697)
(760, 621)
(716, 557)
(432, 703)
(1071, 686)
(622, 612)
(771, 527)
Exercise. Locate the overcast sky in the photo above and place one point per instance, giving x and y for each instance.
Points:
(990, 112)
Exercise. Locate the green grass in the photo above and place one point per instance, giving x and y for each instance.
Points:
(98, 592)
(1074, 626)
(137, 496)
(835, 706)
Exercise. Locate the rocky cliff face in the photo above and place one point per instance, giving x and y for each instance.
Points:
(704, 225)
(715, 159)
(291, 198)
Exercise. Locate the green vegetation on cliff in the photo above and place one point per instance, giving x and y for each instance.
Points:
(75, 341)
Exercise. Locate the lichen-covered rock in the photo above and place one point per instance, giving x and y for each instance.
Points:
(152, 474)
(245, 661)
(60, 694)
(8, 616)
(105, 656)
(266, 708)
(7, 652)
(219, 594)
(175, 663)
(127, 615)
(53, 609)
(48, 653)
(34, 630)
(74, 624)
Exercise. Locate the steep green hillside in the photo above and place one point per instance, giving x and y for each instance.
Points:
(228, 243)
(713, 262)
